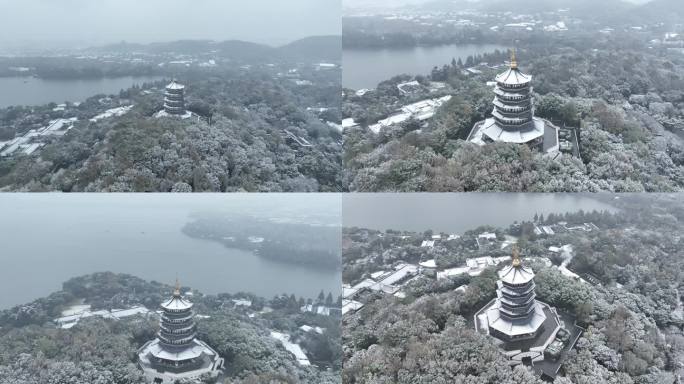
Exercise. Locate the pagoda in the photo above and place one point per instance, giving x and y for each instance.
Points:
(176, 353)
(513, 119)
(516, 314)
(521, 325)
(174, 101)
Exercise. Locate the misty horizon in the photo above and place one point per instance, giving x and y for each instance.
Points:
(394, 4)
(42, 24)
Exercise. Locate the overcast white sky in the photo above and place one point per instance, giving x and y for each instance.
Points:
(90, 22)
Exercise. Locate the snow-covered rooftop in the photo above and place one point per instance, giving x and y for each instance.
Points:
(513, 76)
(175, 85)
(516, 275)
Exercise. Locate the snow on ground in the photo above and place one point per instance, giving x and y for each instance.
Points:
(76, 309)
(295, 349)
(119, 111)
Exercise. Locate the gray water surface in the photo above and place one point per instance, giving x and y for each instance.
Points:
(457, 212)
(36, 91)
(365, 68)
(49, 238)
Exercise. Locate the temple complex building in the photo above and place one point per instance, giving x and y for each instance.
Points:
(529, 331)
(513, 119)
(176, 353)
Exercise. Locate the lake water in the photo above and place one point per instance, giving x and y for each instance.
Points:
(50, 238)
(366, 68)
(456, 212)
(35, 91)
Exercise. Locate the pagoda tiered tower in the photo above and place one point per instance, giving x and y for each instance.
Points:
(513, 119)
(177, 328)
(174, 98)
(513, 99)
(176, 353)
(516, 314)
(527, 330)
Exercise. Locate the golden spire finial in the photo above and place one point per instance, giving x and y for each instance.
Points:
(514, 61)
(176, 292)
(516, 256)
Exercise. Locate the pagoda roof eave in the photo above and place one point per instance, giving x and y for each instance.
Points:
(513, 76)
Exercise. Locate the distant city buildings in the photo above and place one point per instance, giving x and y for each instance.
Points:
(176, 354)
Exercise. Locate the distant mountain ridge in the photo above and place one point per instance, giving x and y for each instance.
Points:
(660, 10)
(310, 48)
(328, 47)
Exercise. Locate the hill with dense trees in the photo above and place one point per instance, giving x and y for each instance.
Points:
(99, 350)
(254, 129)
(632, 311)
(625, 97)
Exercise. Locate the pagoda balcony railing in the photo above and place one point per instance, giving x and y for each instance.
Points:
(514, 115)
(517, 290)
(171, 329)
(178, 310)
(512, 91)
(517, 315)
(176, 336)
(174, 91)
(182, 337)
(175, 103)
(514, 99)
(178, 331)
(507, 96)
(172, 106)
(521, 303)
(173, 342)
(516, 87)
(508, 124)
(177, 320)
(512, 103)
(176, 324)
(178, 366)
(517, 298)
(174, 109)
(507, 108)
(516, 312)
(511, 120)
